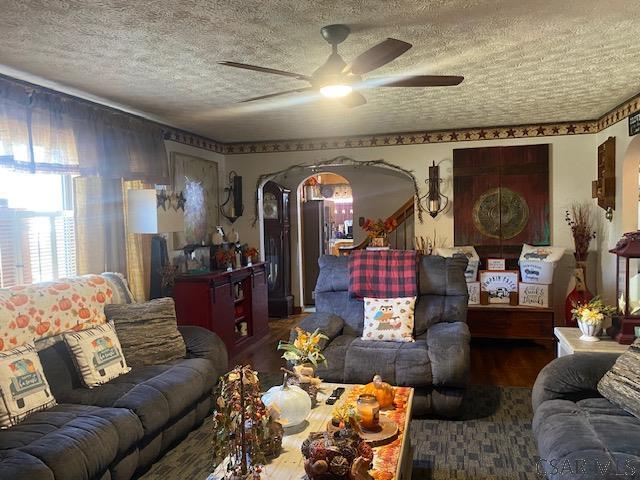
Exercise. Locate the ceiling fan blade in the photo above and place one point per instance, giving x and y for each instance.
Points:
(418, 81)
(354, 99)
(270, 95)
(377, 56)
(266, 70)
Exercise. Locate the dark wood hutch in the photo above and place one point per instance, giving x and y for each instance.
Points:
(231, 304)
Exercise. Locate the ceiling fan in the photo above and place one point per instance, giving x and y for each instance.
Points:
(341, 80)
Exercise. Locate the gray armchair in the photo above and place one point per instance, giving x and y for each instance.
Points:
(436, 364)
(580, 434)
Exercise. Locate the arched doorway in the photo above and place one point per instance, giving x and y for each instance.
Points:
(629, 211)
(325, 219)
(377, 192)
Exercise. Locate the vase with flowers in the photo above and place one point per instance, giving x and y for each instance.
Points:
(305, 350)
(378, 230)
(227, 258)
(580, 221)
(590, 316)
(305, 353)
(251, 255)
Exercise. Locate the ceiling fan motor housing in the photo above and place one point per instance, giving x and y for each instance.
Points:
(335, 34)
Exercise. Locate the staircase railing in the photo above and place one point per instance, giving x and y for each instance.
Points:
(401, 237)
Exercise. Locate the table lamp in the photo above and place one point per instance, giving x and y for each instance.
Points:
(155, 212)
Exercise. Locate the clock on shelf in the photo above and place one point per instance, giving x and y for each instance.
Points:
(277, 248)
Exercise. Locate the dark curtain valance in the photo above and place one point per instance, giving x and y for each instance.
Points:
(42, 130)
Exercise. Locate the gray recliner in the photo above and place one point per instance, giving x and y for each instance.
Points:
(436, 364)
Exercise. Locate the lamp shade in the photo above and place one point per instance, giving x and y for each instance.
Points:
(145, 215)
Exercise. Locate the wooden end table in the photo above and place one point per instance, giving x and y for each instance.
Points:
(568, 343)
(398, 457)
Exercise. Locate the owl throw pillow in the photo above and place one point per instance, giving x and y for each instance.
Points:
(389, 319)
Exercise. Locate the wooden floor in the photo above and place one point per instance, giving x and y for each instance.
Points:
(493, 362)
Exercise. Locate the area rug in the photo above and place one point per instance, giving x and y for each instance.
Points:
(491, 441)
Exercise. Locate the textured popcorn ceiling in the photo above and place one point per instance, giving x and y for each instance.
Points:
(524, 61)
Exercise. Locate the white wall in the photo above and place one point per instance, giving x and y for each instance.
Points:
(573, 167)
(625, 217)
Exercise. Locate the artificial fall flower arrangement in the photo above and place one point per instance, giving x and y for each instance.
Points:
(251, 253)
(379, 228)
(305, 348)
(593, 312)
(225, 256)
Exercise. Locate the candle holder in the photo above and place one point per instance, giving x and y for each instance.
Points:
(369, 412)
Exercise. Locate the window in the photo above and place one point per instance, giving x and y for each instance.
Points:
(37, 235)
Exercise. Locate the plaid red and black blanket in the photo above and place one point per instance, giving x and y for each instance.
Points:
(383, 274)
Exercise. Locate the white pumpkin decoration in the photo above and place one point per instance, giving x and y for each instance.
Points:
(290, 403)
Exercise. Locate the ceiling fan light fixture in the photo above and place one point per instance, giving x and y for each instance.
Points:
(336, 90)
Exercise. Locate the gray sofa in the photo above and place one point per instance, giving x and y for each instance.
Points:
(117, 430)
(436, 364)
(580, 434)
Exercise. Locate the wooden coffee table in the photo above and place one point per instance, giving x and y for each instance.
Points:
(395, 457)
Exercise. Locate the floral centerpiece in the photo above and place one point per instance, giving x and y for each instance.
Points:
(377, 230)
(305, 353)
(590, 316)
(305, 349)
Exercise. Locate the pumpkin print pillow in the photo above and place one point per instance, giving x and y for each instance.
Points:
(23, 386)
(389, 319)
(41, 310)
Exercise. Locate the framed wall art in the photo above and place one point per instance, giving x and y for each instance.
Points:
(501, 198)
(198, 178)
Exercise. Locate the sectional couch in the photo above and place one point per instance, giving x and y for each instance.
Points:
(117, 430)
(580, 434)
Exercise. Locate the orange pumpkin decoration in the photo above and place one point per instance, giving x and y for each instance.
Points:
(84, 313)
(383, 392)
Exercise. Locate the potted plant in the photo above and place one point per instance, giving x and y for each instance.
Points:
(590, 316)
(377, 230)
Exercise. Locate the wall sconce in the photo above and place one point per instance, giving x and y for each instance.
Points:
(609, 214)
(234, 195)
(434, 201)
